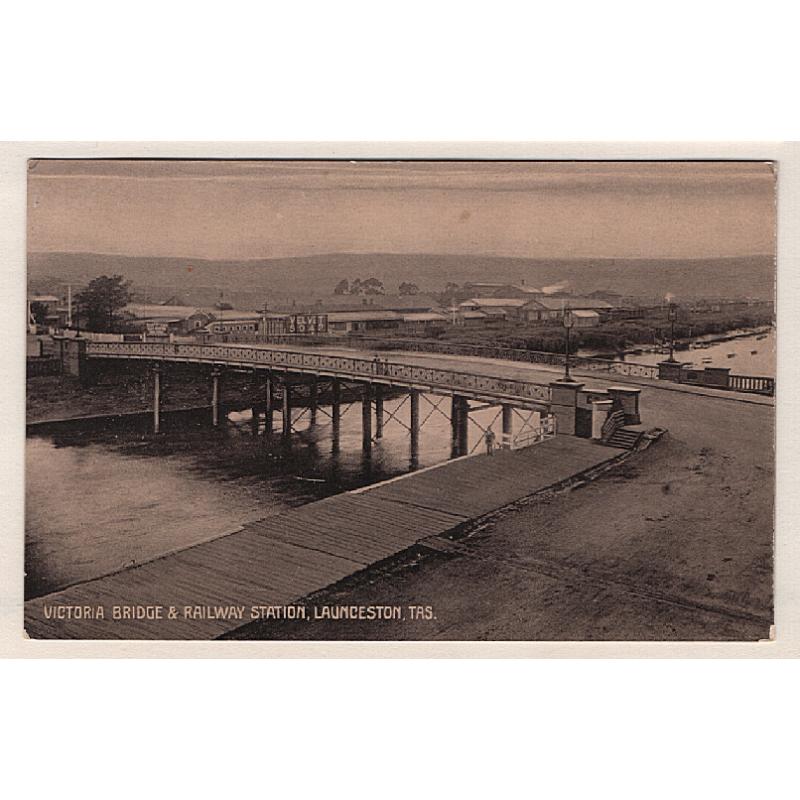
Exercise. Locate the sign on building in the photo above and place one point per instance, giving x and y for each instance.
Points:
(156, 328)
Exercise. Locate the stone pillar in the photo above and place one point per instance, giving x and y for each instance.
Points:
(508, 417)
(268, 404)
(378, 411)
(716, 376)
(366, 418)
(286, 409)
(156, 398)
(414, 395)
(336, 413)
(564, 405)
(600, 411)
(74, 360)
(626, 398)
(215, 376)
(671, 370)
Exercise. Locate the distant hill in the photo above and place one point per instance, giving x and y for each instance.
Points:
(250, 283)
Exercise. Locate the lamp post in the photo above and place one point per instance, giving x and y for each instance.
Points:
(568, 321)
(672, 315)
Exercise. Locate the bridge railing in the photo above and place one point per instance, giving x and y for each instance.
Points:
(480, 351)
(363, 368)
(751, 383)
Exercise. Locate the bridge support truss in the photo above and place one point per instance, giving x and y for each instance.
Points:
(271, 387)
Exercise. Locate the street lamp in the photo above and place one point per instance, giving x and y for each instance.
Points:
(672, 315)
(568, 321)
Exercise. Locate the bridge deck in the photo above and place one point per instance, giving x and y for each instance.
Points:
(281, 559)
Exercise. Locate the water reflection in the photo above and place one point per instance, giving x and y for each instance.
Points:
(748, 355)
(103, 495)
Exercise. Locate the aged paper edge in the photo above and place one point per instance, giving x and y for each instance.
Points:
(13, 157)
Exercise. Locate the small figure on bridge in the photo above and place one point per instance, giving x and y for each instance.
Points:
(490, 438)
(375, 365)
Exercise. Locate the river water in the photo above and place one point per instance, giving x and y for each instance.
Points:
(753, 354)
(104, 496)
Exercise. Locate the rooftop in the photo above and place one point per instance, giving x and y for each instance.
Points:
(155, 311)
(557, 303)
(231, 314)
(427, 316)
(367, 315)
(498, 302)
(466, 314)
(145, 310)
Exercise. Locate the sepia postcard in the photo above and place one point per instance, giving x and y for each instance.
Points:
(382, 400)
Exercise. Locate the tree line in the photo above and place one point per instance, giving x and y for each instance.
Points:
(371, 286)
(97, 307)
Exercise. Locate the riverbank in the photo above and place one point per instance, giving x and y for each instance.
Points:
(677, 546)
(60, 397)
(54, 398)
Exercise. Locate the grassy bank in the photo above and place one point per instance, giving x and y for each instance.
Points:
(614, 336)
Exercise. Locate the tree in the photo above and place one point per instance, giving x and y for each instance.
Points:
(356, 286)
(373, 286)
(39, 313)
(408, 288)
(100, 301)
(343, 287)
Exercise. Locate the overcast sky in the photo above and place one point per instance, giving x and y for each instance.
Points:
(251, 209)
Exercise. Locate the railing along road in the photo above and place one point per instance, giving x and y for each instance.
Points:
(371, 369)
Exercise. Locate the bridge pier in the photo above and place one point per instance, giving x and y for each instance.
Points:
(255, 413)
(336, 413)
(414, 396)
(366, 419)
(215, 376)
(508, 417)
(454, 411)
(312, 400)
(156, 398)
(459, 422)
(463, 427)
(378, 411)
(286, 410)
(268, 403)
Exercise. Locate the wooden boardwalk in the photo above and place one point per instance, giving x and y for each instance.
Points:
(281, 559)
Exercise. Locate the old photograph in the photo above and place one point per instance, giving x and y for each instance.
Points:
(412, 400)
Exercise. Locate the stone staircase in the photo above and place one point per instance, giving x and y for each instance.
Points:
(624, 438)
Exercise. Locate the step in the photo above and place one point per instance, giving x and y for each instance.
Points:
(624, 438)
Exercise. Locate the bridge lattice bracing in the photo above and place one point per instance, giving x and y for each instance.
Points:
(369, 379)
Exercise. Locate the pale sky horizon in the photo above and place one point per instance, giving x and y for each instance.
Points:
(273, 209)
